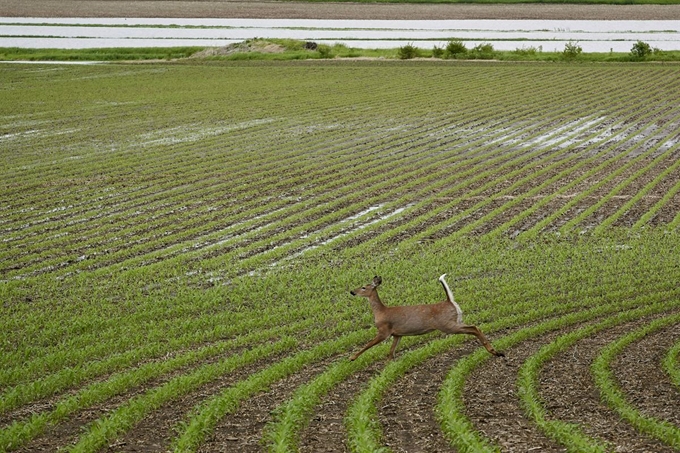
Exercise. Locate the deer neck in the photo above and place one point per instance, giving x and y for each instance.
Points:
(376, 304)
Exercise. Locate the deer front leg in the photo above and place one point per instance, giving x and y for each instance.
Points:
(380, 337)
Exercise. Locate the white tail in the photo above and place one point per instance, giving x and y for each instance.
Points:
(449, 296)
(416, 319)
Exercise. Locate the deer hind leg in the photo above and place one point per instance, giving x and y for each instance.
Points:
(380, 337)
(474, 330)
(395, 342)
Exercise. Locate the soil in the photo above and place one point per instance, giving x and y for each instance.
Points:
(349, 10)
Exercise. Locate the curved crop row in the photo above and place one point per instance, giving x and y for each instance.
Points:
(615, 398)
(567, 434)
(672, 365)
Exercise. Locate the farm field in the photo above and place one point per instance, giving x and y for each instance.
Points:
(178, 243)
(664, 10)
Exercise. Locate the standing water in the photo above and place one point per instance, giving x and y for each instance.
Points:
(548, 35)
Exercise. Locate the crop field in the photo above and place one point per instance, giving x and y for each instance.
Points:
(179, 239)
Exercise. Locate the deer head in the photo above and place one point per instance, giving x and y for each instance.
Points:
(367, 290)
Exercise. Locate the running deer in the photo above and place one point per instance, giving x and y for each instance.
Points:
(417, 319)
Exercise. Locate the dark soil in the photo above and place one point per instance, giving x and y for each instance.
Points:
(349, 10)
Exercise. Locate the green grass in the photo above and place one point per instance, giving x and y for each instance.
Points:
(292, 50)
(104, 54)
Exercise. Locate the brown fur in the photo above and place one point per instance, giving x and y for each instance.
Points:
(414, 320)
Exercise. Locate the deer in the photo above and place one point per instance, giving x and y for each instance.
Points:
(407, 320)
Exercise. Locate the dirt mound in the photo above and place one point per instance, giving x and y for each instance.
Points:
(240, 47)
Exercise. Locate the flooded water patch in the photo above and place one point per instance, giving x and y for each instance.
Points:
(550, 35)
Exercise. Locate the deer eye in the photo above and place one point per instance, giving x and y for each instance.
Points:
(363, 287)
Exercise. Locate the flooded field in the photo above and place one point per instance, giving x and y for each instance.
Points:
(549, 35)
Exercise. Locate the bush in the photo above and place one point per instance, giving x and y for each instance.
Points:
(455, 49)
(483, 51)
(527, 51)
(324, 50)
(407, 52)
(571, 50)
(640, 50)
(437, 52)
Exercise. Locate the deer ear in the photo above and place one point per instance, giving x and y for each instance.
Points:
(376, 281)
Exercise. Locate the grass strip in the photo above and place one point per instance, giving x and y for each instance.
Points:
(102, 55)
(202, 423)
(610, 392)
(672, 365)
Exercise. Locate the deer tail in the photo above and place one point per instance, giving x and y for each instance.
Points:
(449, 298)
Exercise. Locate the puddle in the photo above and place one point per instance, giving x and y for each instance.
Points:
(192, 133)
(548, 35)
(346, 232)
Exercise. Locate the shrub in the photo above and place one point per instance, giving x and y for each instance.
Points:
(455, 49)
(483, 51)
(324, 50)
(437, 52)
(407, 52)
(526, 51)
(571, 50)
(640, 50)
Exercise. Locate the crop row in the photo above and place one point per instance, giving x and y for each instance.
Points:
(512, 314)
(314, 192)
(524, 313)
(178, 239)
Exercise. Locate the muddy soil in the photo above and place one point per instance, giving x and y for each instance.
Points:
(349, 10)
